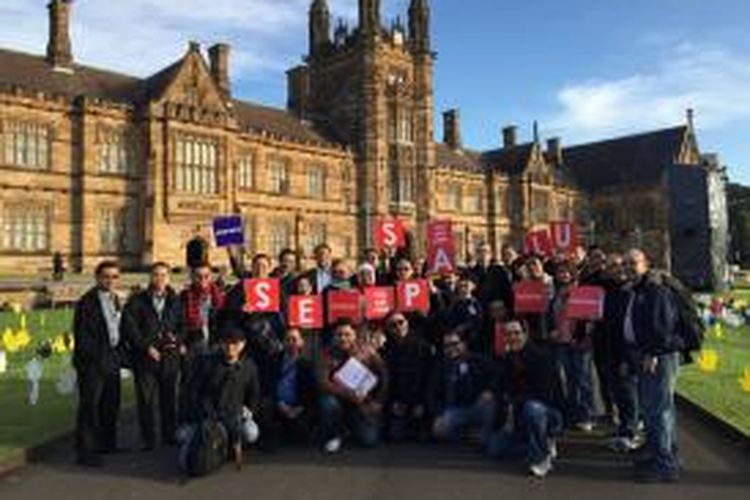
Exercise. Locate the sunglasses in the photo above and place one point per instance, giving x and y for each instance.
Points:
(397, 322)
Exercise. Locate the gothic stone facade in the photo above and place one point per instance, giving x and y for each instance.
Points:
(97, 164)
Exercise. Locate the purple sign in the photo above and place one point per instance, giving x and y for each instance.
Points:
(229, 231)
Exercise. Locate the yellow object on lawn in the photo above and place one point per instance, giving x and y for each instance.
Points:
(745, 381)
(719, 330)
(708, 361)
(62, 344)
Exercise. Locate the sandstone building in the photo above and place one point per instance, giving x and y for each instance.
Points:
(97, 164)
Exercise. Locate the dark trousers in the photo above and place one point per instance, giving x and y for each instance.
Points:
(98, 409)
(604, 371)
(156, 387)
(276, 429)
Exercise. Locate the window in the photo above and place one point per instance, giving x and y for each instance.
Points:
(111, 230)
(454, 197)
(26, 145)
(402, 185)
(114, 155)
(477, 201)
(540, 207)
(246, 172)
(280, 237)
(400, 124)
(25, 229)
(279, 172)
(316, 182)
(501, 203)
(196, 162)
(317, 233)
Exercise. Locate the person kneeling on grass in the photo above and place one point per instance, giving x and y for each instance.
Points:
(526, 377)
(354, 384)
(460, 394)
(226, 390)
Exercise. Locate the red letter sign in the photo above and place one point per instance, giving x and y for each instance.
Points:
(390, 233)
(586, 303)
(539, 243)
(344, 304)
(564, 236)
(379, 302)
(262, 295)
(413, 296)
(441, 250)
(306, 311)
(531, 297)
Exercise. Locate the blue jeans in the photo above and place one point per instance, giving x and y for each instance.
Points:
(535, 424)
(576, 365)
(337, 416)
(657, 404)
(625, 391)
(455, 420)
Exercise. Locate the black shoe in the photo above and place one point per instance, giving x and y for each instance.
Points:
(92, 461)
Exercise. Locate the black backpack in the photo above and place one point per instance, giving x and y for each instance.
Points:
(690, 326)
(207, 450)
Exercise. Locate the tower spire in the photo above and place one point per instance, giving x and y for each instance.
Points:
(320, 26)
(419, 25)
(369, 17)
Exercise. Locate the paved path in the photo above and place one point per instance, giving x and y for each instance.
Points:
(715, 470)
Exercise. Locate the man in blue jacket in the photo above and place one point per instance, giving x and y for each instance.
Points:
(650, 327)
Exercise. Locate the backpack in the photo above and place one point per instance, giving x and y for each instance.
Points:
(690, 327)
(206, 450)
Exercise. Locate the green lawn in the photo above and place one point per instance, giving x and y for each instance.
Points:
(720, 392)
(21, 424)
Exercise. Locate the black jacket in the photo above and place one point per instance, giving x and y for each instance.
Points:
(527, 375)
(655, 316)
(493, 283)
(92, 348)
(459, 383)
(306, 383)
(409, 364)
(143, 328)
(219, 389)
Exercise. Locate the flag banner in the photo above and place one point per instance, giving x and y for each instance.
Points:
(379, 302)
(441, 249)
(344, 304)
(413, 296)
(262, 295)
(390, 233)
(305, 311)
(531, 297)
(229, 231)
(586, 303)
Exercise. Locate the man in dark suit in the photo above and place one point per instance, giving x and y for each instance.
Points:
(153, 324)
(321, 275)
(97, 359)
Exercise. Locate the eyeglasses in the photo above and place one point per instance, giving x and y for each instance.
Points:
(397, 322)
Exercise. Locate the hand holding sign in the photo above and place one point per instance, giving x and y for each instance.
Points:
(390, 233)
(531, 297)
(229, 231)
(379, 302)
(586, 303)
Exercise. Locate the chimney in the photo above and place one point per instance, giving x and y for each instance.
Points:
(298, 90)
(218, 56)
(509, 136)
(452, 128)
(554, 151)
(59, 52)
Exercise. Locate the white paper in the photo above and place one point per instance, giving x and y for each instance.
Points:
(34, 371)
(3, 362)
(66, 384)
(356, 377)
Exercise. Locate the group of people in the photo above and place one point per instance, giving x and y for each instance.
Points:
(469, 370)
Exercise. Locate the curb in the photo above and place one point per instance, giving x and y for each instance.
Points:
(724, 429)
(22, 458)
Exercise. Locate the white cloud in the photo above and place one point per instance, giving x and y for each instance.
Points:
(142, 36)
(711, 79)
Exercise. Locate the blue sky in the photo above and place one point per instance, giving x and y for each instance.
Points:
(586, 69)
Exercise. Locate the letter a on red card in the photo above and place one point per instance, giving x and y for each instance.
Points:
(379, 302)
(441, 249)
(390, 233)
(262, 295)
(564, 235)
(305, 311)
(413, 296)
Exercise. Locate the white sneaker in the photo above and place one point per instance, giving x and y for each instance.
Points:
(332, 446)
(541, 469)
(623, 445)
(552, 449)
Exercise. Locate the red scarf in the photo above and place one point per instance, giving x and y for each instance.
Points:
(193, 297)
